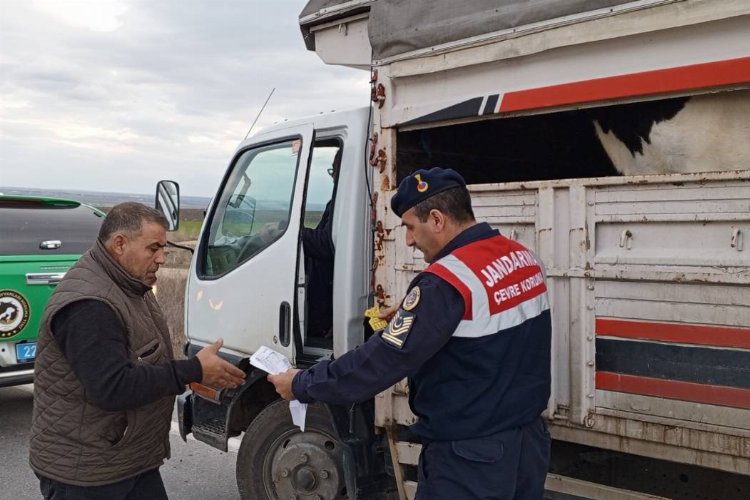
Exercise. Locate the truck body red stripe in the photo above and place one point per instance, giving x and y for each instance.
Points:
(663, 81)
(674, 389)
(685, 333)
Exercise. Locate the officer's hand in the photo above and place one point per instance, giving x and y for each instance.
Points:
(283, 383)
(388, 313)
(216, 371)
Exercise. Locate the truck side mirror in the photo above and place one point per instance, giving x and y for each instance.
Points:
(168, 202)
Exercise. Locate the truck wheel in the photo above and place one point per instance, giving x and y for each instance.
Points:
(277, 461)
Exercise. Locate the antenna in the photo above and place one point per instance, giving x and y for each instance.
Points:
(259, 112)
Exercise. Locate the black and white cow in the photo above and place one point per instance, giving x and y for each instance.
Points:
(684, 134)
(702, 133)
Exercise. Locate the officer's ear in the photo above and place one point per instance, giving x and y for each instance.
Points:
(437, 220)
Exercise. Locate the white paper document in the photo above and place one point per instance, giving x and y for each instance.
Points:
(299, 412)
(274, 363)
(270, 361)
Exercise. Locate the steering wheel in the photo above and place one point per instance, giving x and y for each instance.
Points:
(265, 237)
(252, 245)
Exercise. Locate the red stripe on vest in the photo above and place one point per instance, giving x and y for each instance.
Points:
(504, 267)
(440, 271)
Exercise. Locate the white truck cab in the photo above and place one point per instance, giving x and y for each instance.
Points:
(248, 284)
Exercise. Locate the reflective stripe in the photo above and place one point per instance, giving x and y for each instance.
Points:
(479, 305)
(502, 321)
(481, 322)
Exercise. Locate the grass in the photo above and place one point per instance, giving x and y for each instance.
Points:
(190, 225)
(188, 230)
(192, 220)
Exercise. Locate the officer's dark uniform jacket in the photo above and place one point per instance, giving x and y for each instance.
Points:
(472, 335)
(73, 440)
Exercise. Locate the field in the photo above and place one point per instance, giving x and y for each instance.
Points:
(192, 219)
(190, 225)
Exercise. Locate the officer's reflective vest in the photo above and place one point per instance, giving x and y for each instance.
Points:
(502, 284)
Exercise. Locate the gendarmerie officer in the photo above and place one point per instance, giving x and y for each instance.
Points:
(473, 335)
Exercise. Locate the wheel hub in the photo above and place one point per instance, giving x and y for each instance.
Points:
(305, 466)
(306, 479)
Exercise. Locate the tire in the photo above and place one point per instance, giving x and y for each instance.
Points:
(277, 461)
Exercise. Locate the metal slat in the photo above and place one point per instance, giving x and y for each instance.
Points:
(585, 489)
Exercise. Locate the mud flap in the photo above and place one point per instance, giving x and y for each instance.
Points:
(185, 414)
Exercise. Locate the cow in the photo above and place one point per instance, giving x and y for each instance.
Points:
(702, 133)
(680, 134)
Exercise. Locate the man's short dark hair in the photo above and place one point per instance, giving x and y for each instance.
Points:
(129, 218)
(454, 202)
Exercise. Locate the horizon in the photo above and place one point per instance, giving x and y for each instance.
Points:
(99, 198)
(104, 198)
(91, 191)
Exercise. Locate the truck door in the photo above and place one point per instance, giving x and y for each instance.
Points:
(244, 281)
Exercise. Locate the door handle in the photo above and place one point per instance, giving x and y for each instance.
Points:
(736, 242)
(50, 244)
(625, 238)
(43, 278)
(285, 323)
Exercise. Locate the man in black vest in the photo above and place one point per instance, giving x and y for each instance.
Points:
(473, 334)
(105, 375)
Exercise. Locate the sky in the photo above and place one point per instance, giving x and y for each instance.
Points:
(115, 95)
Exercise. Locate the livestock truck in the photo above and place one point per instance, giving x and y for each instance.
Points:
(611, 137)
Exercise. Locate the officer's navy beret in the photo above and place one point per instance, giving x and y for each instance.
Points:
(423, 184)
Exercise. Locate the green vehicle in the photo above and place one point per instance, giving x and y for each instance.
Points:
(40, 239)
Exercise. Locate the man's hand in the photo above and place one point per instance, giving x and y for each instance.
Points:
(217, 372)
(283, 383)
(269, 231)
(388, 313)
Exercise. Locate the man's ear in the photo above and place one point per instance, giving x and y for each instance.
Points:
(117, 244)
(438, 220)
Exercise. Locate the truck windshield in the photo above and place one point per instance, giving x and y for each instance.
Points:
(252, 211)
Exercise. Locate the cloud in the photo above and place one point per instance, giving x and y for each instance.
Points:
(114, 95)
(100, 16)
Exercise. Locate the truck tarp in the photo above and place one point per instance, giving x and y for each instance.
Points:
(400, 26)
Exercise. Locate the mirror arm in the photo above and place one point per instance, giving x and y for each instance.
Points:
(177, 245)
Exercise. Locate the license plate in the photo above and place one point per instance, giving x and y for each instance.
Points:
(26, 352)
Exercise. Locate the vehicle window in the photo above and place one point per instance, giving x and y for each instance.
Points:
(46, 229)
(320, 183)
(253, 209)
(317, 244)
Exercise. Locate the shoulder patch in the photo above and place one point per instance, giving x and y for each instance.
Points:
(412, 299)
(399, 327)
